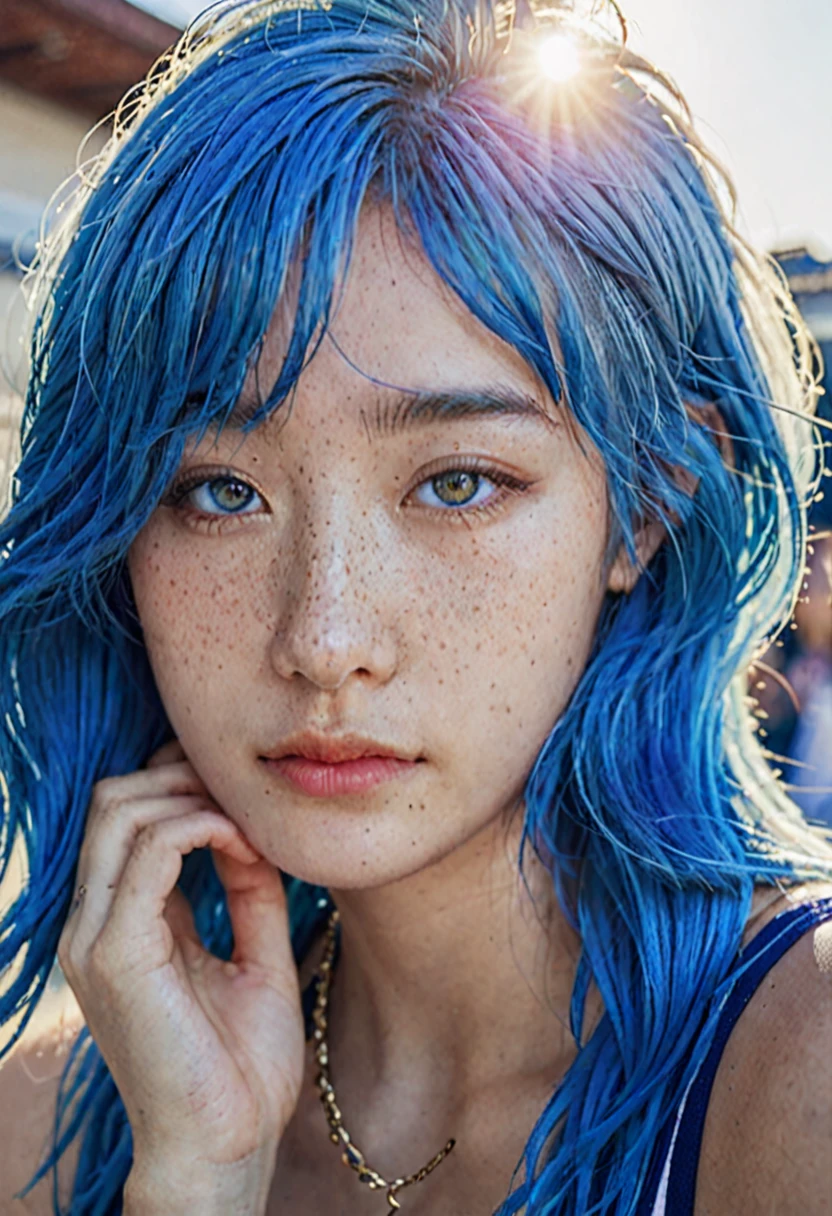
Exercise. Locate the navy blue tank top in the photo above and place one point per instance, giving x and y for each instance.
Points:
(671, 1186)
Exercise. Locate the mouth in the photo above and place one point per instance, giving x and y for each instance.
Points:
(328, 766)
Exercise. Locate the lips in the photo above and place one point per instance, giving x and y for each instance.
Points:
(325, 766)
(331, 749)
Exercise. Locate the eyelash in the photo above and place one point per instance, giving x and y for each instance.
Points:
(505, 482)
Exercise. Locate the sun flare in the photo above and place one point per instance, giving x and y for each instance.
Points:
(559, 57)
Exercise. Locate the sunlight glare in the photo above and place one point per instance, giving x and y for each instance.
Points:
(559, 57)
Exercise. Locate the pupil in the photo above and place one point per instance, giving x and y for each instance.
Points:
(231, 495)
(458, 486)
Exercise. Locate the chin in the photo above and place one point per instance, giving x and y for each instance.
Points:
(360, 855)
(336, 874)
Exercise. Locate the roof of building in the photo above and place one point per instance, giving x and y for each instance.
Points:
(806, 274)
(84, 54)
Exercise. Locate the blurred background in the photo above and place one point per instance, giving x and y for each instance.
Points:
(756, 75)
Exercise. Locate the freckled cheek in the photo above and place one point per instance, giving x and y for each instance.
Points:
(505, 639)
(196, 615)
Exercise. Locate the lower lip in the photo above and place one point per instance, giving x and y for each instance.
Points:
(348, 777)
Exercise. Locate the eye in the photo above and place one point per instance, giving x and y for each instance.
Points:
(468, 488)
(453, 488)
(218, 496)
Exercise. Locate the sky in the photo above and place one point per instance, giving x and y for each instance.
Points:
(757, 76)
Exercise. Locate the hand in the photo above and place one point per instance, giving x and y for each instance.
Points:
(207, 1055)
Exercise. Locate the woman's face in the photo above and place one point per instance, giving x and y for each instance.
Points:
(429, 582)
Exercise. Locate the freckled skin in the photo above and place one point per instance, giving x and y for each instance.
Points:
(343, 604)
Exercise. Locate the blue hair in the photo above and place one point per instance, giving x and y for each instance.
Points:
(585, 226)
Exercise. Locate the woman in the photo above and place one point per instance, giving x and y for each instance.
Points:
(413, 461)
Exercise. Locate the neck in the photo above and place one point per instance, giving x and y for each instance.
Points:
(454, 979)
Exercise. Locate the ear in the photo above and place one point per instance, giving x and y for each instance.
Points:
(623, 573)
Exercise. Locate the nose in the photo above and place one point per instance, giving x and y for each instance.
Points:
(335, 620)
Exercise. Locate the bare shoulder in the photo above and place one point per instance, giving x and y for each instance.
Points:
(29, 1080)
(767, 1144)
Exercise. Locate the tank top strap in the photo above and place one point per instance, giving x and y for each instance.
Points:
(671, 1189)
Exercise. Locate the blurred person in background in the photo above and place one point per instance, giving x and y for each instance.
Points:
(810, 675)
(791, 683)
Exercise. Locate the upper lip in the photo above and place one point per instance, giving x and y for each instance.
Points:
(333, 749)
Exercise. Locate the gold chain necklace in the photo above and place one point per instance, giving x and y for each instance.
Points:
(338, 1134)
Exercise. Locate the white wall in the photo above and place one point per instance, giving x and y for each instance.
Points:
(39, 144)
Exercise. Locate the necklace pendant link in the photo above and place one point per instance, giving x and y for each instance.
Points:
(351, 1155)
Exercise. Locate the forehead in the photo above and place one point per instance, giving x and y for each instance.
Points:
(396, 327)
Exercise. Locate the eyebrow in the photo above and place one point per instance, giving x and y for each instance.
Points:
(411, 411)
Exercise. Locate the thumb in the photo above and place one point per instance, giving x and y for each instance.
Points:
(259, 915)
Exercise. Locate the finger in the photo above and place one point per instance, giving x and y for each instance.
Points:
(179, 915)
(108, 847)
(258, 913)
(136, 922)
(169, 753)
(180, 919)
(112, 792)
(112, 796)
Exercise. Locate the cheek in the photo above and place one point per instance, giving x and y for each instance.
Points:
(198, 618)
(509, 628)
